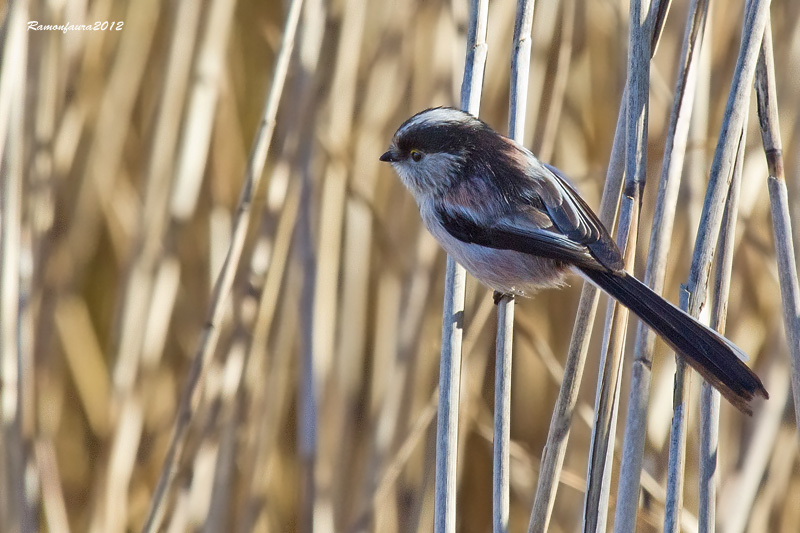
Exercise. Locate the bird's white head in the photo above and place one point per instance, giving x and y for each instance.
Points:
(428, 150)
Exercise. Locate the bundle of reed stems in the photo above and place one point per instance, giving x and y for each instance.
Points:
(220, 312)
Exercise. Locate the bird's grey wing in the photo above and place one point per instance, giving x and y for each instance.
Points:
(573, 217)
(545, 217)
(529, 231)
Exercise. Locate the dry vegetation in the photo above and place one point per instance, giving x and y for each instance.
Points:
(304, 379)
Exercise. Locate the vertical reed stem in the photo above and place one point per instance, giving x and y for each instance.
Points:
(520, 66)
(637, 106)
(453, 313)
(663, 218)
(694, 296)
(14, 512)
(779, 203)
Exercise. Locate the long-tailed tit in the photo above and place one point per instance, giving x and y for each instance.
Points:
(517, 225)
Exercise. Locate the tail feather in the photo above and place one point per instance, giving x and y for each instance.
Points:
(718, 360)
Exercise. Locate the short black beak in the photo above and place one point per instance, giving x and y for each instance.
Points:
(389, 157)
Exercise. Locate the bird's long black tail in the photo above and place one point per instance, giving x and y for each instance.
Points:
(716, 358)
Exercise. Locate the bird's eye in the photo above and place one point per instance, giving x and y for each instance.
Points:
(416, 155)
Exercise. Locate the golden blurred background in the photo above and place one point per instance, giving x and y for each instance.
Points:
(318, 401)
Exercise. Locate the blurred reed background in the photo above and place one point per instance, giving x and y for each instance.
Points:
(124, 156)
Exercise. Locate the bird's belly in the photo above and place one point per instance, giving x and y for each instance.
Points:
(502, 270)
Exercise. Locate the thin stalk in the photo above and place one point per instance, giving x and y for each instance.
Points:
(37, 226)
(710, 397)
(560, 83)
(673, 505)
(558, 432)
(601, 454)
(14, 504)
(449, 391)
(520, 67)
(309, 53)
(453, 313)
(542, 44)
(756, 15)
(603, 432)
(663, 218)
(694, 295)
(208, 340)
(709, 460)
(502, 415)
(779, 203)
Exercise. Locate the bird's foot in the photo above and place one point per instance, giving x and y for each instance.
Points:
(500, 295)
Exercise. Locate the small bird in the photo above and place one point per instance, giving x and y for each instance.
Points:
(518, 225)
